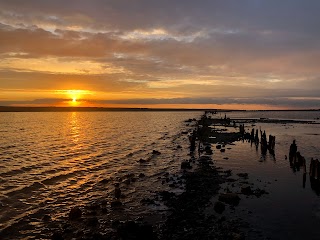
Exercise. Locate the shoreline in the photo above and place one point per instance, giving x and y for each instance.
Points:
(124, 109)
(195, 203)
(186, 213)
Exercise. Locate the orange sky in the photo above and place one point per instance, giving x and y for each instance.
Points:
(177, 54)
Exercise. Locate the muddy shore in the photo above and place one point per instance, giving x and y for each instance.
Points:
(188, 215)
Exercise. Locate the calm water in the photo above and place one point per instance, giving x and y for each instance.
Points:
(50, 162)
(292, 209)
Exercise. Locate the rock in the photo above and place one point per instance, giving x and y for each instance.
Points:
(229, 198)
(57, 236)
(133, 230)
(258, 192)
(46, 218)
(179, 146)
(142, 160)
(75, 213)
(147, 201)
(92, 222)
(237, 236)
(104, 210)
(243, 175)
(155, 152)
(117, 191)
(142, 175)
(185, 165)
(127, 181)
(104, 181)
(219, 207)
(246, 190)
(222, 150)
(166, 196)
(116, 204)
(218, 146)
(204, 159)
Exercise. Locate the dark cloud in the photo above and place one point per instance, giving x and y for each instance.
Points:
(256, 49)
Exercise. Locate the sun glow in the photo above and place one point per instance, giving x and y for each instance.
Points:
(76, 97)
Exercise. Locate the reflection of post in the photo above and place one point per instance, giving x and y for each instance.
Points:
(304, 180)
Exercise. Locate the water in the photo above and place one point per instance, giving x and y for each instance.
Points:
(291, 210)
(50, 162)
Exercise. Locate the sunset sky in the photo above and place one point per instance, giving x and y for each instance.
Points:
(248, 54)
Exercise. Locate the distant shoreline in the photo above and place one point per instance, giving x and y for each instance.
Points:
(103, 109)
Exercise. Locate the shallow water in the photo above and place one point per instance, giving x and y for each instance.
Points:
(50, 162)
(291, 210)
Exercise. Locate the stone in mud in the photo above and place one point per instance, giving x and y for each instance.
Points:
(246, 190)
(155, 152)
(46, 218)
(237, 236)
(133, 230)
(104, 181)
(142, 175)
(142, 160)
(185, 165)
(204, 159)
(147, 201)
(127, 181)
(219, 207)
(116, 204)
(229, 198)
(57, 236)
(222, 150)
(218, 146)
(258, 192)
(243, 175)
(92, 222)
(167, 196)
(75, 213)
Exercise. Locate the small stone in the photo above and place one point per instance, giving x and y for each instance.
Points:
(57, 236)
(116, 204)
(46, 218)
(75, 213)
(127, 181)
(243, 175)
(155, 152)
(185, 165)
(246, 190)
(93, 221)
(142, 160)
(142, 175)
(219, 207)
(229, 198)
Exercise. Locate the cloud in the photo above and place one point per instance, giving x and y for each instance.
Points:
(172, 49)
